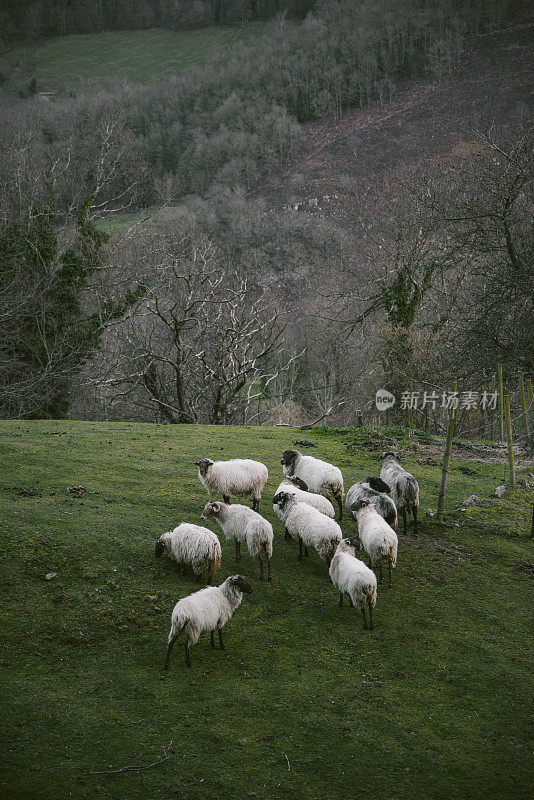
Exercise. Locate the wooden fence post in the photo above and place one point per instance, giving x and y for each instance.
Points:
(445, 464)
(509, 437)
(501, 406)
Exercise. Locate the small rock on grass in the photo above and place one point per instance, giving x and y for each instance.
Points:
(50, 575)
(500, 491)
(474, 500)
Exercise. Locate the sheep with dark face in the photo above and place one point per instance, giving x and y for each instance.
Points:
(378, 539)
(320, 476)
(308, 526)
(206, 610)
(378, 492)
(242, 524)
(404, 487)
(352, 576)
(300, 489)
(194, 546)
(239, 477)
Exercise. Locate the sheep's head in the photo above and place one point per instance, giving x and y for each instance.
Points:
(390, 454)
(203, 465)
(358, 505)
(378, 485)
(347, 546)
(298, 483)
(282, 498)
(212, 510)
(160, 548)
(240, 583)
(288, 460)
(334, 542)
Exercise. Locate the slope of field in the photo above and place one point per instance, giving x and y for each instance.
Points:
(303, 703)
(423, 123)
(133, 55)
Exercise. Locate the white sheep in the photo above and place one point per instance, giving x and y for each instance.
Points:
(309, 526)
(375, 490)
(239, 477)
(404, 487)
(194, 546)
(352, 576)
(242, 524)
(320, 477)
(206, 610)
(378, 539)
(300, 489)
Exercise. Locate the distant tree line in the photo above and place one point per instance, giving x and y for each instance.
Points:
(34, 19)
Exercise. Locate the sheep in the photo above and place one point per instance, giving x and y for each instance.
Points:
(242, 524)
(309, 526)
(239, 476)
(300, 490)
(193, 545)
(206, 610)
(320, 476)
(352, 576)
(378, 539)
(375, 490)
(404, 487)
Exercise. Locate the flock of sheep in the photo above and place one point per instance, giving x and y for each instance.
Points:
(302, 504)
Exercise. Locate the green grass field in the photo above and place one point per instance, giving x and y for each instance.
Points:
(137, 56)
(303, 703)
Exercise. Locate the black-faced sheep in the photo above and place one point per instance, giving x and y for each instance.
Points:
(375, 490)
(352, 576)
(309, 526)
(320, 477)
(239, 476)
(242, 524)
(404, 487)
(194, 546)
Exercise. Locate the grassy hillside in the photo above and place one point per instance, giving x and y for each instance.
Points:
(135, 55)
(303, 703)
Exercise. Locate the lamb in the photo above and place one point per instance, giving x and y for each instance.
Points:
(242, 524)
(309, 526)
(375, 490)
(239, 477)
(378, 539)
(206, 610)
(192, 545)
(352, 576)
(320, 476)
(404, 487)
(300, 489)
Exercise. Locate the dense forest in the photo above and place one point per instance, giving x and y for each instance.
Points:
(234, 310)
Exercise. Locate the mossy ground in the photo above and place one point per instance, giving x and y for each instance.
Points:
(303, 703)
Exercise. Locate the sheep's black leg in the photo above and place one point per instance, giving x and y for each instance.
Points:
(287, 535)
(341, 598)
(364, 617)
(404, 518)
(255, 504)
(380, 570)
(370, 613)
(268, 568)
(261, 568)
(414, 511)
(212, 639)
(187, 656)
(300, 549)
(237, 550)
(305, 551)
(389, 567)
(221, 643)
(169, 648)
(340, 504)
(226, 498)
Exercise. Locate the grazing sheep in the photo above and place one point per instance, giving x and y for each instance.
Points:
(192, 545)
(375, 490)
(320, 476)
(206, 610)
(309, 526)
(300, 489)
(404, 487)
(239, 476)
(242, 524)
(378, 539)
(352, 576)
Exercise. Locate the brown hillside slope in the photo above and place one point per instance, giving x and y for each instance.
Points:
(423, 123)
